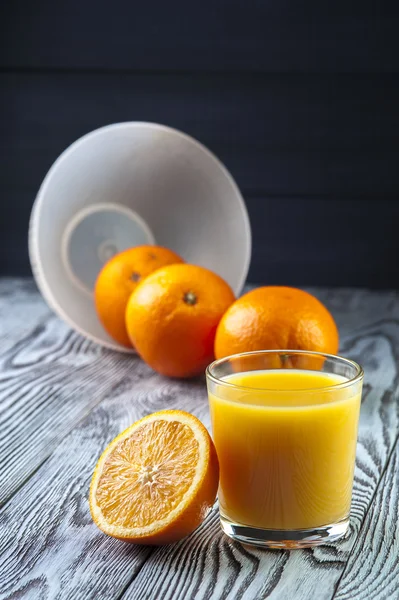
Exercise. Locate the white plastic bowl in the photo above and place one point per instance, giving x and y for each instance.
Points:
(124, 185)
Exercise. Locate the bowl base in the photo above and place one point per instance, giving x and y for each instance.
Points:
(96, 234)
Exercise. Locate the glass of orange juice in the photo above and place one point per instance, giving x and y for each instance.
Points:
(285, 428)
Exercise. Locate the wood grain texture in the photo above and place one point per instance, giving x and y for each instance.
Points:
(372, 570)
(50, 378)
(49, 546)
(226, 35)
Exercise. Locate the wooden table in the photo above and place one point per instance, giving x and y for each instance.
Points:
(62, 399)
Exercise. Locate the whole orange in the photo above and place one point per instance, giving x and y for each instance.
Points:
(276, 318)
(119, 278)
(172, 316)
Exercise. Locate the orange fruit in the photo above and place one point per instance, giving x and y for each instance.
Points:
(117, 280)
(171, 318)
(276, 318)
(155, 483)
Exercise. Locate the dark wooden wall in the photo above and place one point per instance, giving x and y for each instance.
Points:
(299, 99)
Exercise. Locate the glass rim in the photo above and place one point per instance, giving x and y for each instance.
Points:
(219, 381)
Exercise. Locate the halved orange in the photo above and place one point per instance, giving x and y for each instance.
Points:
(155, 483)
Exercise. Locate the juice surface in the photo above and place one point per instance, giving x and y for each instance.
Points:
(286, 444)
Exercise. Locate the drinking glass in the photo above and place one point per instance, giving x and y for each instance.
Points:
(285, 429)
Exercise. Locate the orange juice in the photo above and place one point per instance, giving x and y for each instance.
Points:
(286, 442)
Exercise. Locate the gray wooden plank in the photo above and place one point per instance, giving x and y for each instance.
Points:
(21, 310)
(50, 378)
(373, 567)
(210, 566)
(49, 546)
(51, 549)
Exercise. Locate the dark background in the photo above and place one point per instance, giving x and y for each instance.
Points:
(300, 100)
